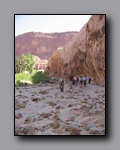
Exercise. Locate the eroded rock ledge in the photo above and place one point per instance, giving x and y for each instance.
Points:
(84, 53)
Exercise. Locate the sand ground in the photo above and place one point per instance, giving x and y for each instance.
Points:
(43, 109)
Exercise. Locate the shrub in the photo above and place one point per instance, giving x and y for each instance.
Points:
(21, 79)
(38, 77)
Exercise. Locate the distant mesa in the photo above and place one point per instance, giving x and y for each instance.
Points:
(41, 44)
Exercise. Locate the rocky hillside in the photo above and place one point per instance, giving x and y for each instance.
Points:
(40, 44)
(84, 53)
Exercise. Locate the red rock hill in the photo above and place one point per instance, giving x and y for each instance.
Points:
(40, 44)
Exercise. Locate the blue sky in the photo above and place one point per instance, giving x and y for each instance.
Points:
(49, 23)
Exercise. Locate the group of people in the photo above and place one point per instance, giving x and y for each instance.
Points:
(83, 80)
(74, 80)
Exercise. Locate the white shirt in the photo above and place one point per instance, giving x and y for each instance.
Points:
(75, 78)
(84, 78)
(80, 79)
(61, 79)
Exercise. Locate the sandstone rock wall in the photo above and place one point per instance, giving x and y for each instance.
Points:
(85, 53)
(40, 63)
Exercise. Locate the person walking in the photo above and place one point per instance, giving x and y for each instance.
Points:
(71, 81)
(61, 84)
(84, 80)
(80, 79)
(75, 81)
(89, 80)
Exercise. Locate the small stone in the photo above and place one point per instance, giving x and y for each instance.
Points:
(102, 132)
(46, 115)
(24, 131)
(101, 125)
(97, 111)
(51, 103)
(16, 116)
(96, 91)
(89, 126)
(19, 95)
(57, 107)
(75, 133)
(21, 105)
(56, 117)
(72, 129)
(72, 119)
(17, 108)
(29, 130)
(61, 97)
(68, 128)
(94, 131)
(83, 106)
(27, 120)
(36, 100)
(43, 92)
(70, 105)
(56, 124)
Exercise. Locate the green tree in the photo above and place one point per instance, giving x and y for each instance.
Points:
(25, 63)
(19, 65)
(28, 62)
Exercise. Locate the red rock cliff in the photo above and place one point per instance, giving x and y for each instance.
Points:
(85, 53)
(40, 44)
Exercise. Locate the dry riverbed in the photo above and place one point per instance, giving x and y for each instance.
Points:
(43, 110)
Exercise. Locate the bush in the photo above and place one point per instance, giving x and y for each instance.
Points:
(21, 79)
(18, 83)
(21, 83)
(38, 77)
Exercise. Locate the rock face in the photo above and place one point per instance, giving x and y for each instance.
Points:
(40, 44)
(84, 53)
(40, 63)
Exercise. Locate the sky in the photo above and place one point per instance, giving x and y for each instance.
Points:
(49, 23)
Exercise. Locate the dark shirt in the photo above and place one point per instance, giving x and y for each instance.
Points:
(71, 78)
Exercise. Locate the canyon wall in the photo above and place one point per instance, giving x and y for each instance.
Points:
(40, 44)
(84, 54)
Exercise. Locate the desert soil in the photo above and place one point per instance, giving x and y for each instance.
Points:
(43, 110)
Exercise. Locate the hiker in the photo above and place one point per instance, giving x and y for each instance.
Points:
(71, 81)
(75, 80)
(84, 80)
(80, 79)
(62, 86)
(89, 80)
(61, 81)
